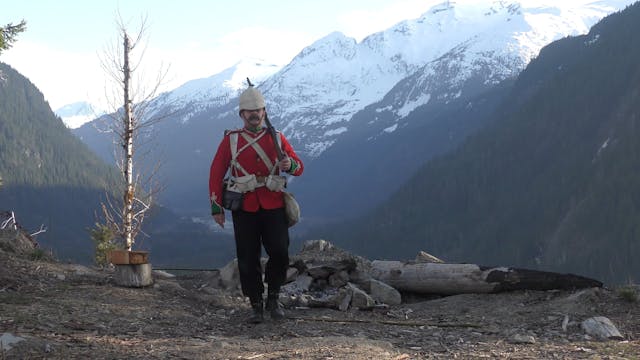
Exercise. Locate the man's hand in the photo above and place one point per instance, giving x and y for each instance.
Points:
(285, 164)
(219, 219)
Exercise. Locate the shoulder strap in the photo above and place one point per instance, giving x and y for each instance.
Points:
(259, 151)
(233, 142)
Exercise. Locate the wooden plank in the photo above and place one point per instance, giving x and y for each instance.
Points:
(124, 257)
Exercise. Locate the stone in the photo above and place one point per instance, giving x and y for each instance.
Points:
(601, 328)
(230, 275)
(299, 286)
(383, 293)
(163, 274)
(339, 279)
(317, 245)
(7, 340)
(292, 274)
(360, 299)
(523, 339)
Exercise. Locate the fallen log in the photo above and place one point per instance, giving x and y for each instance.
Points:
(451, 279)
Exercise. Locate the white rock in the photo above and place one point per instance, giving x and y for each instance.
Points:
(602, 328)
(7, 341)
(384, 293)
(523, 339)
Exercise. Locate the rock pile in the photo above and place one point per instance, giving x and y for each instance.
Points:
(322, 275)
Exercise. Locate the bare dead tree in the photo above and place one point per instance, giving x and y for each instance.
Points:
(131, 124)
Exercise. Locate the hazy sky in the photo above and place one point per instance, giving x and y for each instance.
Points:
(60, 50)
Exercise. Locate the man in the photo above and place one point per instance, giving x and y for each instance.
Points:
(251, 156)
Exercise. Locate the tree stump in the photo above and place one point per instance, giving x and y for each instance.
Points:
(132, 268)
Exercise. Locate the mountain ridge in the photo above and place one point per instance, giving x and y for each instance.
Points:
(550, 183)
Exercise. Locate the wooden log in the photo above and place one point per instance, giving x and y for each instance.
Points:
(133, 275)
(450, 279)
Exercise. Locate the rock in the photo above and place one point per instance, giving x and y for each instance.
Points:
(601, 328)
(292, 274)
(359, 298)
(230, 275)
(333, 299)
(7, 340)
(81, 270)
(346, 301)
(162, 274)
(523, 339)
(317, 245)
(328, 268)
(360, 277)
(339, 279)
(299, 286)
(384, 293)
(16, 241)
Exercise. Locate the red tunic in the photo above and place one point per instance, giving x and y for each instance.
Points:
(251, 162)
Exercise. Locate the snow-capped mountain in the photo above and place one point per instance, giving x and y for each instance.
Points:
(332, 79)
(76, 114)
(198, 95)
(342, 102)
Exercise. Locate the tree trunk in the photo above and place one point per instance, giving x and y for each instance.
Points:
(128, 143)
(450, 279)
(133, 275)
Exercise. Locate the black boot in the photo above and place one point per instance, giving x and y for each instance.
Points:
(274, 307)
(257, 315)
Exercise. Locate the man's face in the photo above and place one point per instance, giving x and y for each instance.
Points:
(253, 118)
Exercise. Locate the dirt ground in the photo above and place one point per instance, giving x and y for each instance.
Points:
(67, 311)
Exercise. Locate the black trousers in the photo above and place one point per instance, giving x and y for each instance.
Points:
(266, 228)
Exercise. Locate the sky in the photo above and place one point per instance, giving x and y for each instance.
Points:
(65, 40)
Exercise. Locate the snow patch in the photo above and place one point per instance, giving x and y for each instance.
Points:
(334, 132)
(391, 129)
(411, 105)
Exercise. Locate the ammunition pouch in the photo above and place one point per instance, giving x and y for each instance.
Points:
(234, 189)
(243, 184)
(276, 182)
(232, 200)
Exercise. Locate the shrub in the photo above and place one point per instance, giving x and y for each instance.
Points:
(103, 238)
(628, 293)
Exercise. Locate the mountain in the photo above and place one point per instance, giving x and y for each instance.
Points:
(51, 178)
(77, 114)
(551, 183)
(454, 56)
(449, 45)
(354, 110)
(197, 96)
(184, 142)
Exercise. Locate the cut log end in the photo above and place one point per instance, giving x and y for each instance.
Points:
(133, 275)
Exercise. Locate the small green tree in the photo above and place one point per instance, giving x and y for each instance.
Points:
(103, 238)
(8, 34)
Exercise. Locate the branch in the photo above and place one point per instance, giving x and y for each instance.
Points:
(42, 229)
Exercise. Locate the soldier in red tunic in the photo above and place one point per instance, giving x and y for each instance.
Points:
(249, 157)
